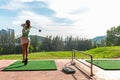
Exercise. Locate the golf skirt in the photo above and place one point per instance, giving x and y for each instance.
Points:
(24, 40)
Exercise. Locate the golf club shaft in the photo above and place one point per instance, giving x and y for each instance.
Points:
(37, 29)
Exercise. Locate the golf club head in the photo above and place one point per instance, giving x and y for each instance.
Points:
(39, 30)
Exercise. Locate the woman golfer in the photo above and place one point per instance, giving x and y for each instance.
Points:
(25, 41)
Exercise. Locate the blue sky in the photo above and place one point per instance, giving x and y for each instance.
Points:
(82, 18)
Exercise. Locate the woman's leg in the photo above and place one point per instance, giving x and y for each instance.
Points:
(26, 54)
(27, 48)
(23, 51)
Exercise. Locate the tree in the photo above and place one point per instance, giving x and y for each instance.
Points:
(77, 43)
(7, 38)
(69, 43)
(57, 44)
(46, 43)
(113, 36)
(35, 43)
(11, 41)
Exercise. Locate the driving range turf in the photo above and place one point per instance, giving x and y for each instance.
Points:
(107, 64)
(32, 66)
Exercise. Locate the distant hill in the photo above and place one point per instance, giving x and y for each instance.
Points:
(98, 39)
(41, 38)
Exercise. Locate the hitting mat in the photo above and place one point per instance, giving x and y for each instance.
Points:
(32, 66)
(107, 64)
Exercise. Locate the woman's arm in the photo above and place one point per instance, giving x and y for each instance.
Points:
(23, 25)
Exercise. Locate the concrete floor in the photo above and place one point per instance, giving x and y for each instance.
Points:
(40, 75)
(99, 74)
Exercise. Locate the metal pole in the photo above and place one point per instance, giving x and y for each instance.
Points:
(91, 66)
(72, 55)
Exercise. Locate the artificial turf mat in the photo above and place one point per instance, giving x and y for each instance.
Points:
(107, 64)
(32, 66)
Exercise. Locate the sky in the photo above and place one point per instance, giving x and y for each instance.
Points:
(77, 18)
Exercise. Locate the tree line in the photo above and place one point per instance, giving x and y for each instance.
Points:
(9, 44)
(57, 43)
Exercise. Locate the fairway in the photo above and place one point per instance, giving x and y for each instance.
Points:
(32, 66)
(107, 64)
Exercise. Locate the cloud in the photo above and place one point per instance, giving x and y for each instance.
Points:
(22, 4)
(40, 7)
(79, 11)
(13, 5)
(43, 11)
(86, 18)
(64, 7)
(35, 18)
(32, 0)
(68, 10)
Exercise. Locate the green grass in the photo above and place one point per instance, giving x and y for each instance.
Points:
(41, 55)
(107, 64)
(51, 55)
(32, 66)
(105, 52)
(100, 52)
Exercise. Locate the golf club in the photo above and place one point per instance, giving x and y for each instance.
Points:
(37, 29)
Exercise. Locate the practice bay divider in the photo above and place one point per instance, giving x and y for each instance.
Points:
(74, 52)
